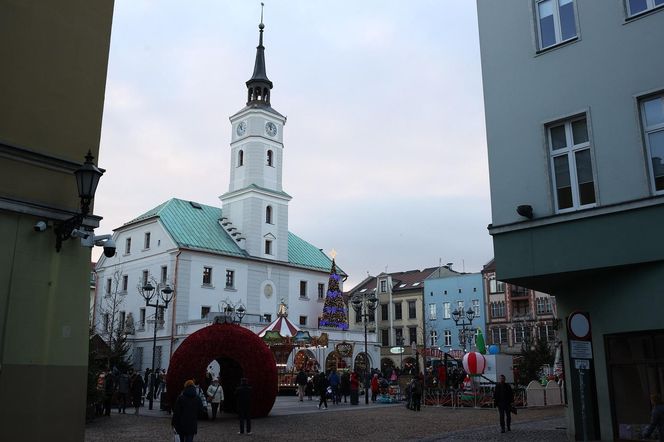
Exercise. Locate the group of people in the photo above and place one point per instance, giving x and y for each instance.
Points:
(126, 387)
(189, 406)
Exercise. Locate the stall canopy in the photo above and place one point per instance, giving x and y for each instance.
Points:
(281, 325)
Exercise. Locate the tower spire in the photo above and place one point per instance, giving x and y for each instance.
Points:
(259, 86)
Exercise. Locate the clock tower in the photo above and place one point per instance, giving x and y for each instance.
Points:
(255, 208)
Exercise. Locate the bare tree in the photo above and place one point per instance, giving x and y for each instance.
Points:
(113, 318)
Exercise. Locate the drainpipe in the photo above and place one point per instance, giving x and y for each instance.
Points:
(175, 299)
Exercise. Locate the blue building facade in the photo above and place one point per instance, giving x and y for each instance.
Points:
(445, 291)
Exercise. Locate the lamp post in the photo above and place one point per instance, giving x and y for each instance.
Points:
(400, 344)
(465, 333)
(413, 345)
(232, 313)
(365, 304)
(159, 292)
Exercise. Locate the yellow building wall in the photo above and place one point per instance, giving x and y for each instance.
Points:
(52, 85)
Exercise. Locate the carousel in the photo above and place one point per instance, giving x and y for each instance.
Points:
(283, 337)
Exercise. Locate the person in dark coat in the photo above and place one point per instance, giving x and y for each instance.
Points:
(243, 402)
(136, 386)
(503, 398)
(123, 391)
(345, 385)
(185, 412)
(301, 381)
(656, 418)
(354, 388)
(109, 389)
(417, 393)
(322, 389)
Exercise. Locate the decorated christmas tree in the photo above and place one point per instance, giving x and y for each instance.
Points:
(335, 313)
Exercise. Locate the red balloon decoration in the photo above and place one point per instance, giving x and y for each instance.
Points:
(225, 342)
(474, 363)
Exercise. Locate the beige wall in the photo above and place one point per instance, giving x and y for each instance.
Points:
(52, 85)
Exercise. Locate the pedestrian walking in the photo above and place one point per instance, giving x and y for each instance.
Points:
(374, 387)
(503, 398)
(322, 389)
(243, 402)
(109, 389)
(334, 384)
(301, 381)
(656, 418)
(185, 412)
(345, 386)
(215, 395)
(417, 390)
(136, 388)
(309, 390)
(354, 389)
(123, 391)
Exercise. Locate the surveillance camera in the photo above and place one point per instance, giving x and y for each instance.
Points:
(109, 248)
(76, 233)
(40, 226)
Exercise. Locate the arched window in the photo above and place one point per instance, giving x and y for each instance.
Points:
(269, 158)
(268, 214)
(240, 158)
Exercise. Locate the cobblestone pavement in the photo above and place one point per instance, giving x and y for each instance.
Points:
(294, 420)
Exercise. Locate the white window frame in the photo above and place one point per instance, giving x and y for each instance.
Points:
(383, 286)
(321, 290)
(209, 283)
(447, 337)
(476, 307)
(432, 311)
(128, 246)
(649, 7)
(141, 318)
(447, 310)
(146, 240)
(647, 130)
(304, 287)
(303, 321)
(268, 247)
(125, 283)
(570, 151)
(433, 338)
(230, 277)
(556, 25)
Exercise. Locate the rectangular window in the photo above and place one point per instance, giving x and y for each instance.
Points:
(141, 318)
(164, 274)
(398, 334)
(398, 314)
(571, 163)
(303, 289)
(144, 279)
(412, 311)
(122, 316)
(385, 337)
(372, 315)
(205, 310)
(412, 335)
(433, 338)
(230, 279)
(127, 246)
(321, 291)
(498, 309)
(652, 112)
(303, 320)
(106, 322)
(447, 310)
(556, 22)
(267, 317)
(146, 240)
(207, 275)
(635, 7)
(476, 307)
(460, 308)
(268, 247)
(125, 283)
(383, 312)
(447, 336)
(383, 286)
(521, 334)
(499, 335)
(432, 311)
(496, 286)
(358, 317)
(109, 284)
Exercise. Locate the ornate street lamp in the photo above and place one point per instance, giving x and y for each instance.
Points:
(465, 334)
(232, 313)
(364, 305)
(87, 179)
(162, 293)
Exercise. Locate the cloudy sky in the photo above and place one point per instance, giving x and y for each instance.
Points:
(385, 150)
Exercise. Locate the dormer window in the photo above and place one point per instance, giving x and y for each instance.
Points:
(270, 158)
(240, 158)
(268, 214)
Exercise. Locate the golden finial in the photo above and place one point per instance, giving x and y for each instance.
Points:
(333, 253)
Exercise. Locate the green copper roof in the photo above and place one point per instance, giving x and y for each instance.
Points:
(196, 226)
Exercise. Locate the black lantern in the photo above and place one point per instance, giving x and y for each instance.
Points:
(87, 179)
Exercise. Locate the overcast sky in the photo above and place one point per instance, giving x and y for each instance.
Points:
(384, 147)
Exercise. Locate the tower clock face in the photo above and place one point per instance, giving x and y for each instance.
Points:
(241, 128)
(271, 128)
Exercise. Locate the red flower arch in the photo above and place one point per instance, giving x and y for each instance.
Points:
(245, 355)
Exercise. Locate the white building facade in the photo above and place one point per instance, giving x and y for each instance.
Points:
(242, 254)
